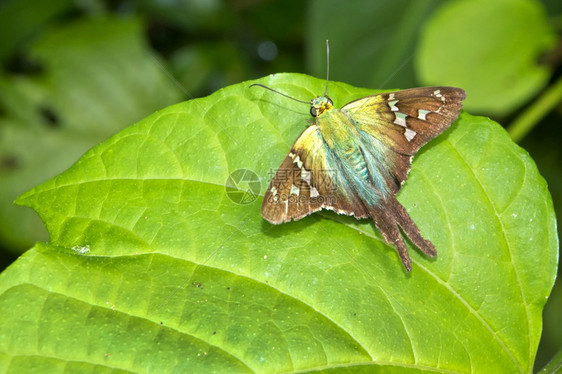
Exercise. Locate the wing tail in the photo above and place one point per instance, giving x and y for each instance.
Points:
(413, 232)
(388, 219)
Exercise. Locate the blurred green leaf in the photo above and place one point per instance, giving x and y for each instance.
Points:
(194, 15)
(20, 19)
(372, 42)
(281, 21)
(208, 66)
(554, 366)
(543, 144)
(491, 49)
(152, 268)
(95, 77)
(529, 118)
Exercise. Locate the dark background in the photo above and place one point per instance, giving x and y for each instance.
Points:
(75, 72)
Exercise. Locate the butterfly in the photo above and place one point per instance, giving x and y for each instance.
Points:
(354, 160)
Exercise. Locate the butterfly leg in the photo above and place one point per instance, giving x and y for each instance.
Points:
(411, 229)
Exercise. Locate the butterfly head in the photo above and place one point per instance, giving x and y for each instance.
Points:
(320, 105)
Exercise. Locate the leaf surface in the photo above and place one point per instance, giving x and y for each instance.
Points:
(152, 268)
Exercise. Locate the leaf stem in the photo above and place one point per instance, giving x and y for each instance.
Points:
(554, 365)
(536, 111)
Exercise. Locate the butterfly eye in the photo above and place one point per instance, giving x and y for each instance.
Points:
(313, 111)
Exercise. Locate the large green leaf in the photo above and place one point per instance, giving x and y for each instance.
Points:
(97, 77)
(490, 48)
(151, 268)
(20, 20)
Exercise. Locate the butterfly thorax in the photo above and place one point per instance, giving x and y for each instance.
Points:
(343, 140)
(333, 124)
(336, 128)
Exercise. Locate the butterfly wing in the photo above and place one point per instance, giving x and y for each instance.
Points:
(406, 120)
(398, 123)
(392, 127)
(362, 175)
(308, 180)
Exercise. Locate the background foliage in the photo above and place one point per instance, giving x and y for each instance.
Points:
(75, 73)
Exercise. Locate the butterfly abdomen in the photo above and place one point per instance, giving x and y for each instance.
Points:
(357, 162)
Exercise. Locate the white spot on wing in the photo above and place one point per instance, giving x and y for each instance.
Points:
(274, 191)
(296, 160)
(422, 113)
(400, 119)
(392, 105)
(437, 93)
(294, 190)
(409, 134)
(314, 192)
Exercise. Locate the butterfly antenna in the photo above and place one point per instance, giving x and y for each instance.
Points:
(327, 65)
(280, 93)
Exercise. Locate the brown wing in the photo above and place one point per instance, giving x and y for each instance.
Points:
(308, 180)
(396, 124)
(406, 120)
